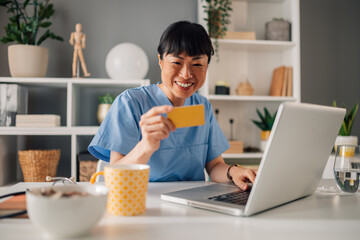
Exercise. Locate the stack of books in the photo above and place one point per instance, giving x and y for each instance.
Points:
(282, 82)
(37, 120)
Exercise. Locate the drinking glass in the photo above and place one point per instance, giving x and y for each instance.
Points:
(347, 168)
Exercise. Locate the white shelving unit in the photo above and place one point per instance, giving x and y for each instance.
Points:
(74, 103)
(255, 60)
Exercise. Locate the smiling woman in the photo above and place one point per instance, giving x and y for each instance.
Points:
(136, 129)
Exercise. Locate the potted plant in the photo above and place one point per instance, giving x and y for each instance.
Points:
(344, 137)
(26, 57)
(217, 18)
(104, 106)
(265, 124)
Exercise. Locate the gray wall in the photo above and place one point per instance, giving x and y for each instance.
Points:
(330, 53)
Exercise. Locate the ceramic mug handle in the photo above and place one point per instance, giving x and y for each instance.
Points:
(93, 177)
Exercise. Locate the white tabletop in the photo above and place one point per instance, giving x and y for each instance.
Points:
(323, 215)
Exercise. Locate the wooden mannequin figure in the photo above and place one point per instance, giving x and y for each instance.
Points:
(77, 39)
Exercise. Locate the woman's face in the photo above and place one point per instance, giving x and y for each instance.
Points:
(182, 76)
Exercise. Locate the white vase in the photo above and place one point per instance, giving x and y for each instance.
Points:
(346, 140)
(264, 139)
(27, 60)
(102, 111)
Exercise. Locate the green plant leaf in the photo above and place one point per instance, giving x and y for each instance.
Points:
(49, 11)
(26, 3)
(260, 115)
(45, 24)
(24, 26)
(348, 122)
(259, 124)
(107, 99)
(351, 118)
(266, 120)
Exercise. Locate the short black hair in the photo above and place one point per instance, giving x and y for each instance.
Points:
(184, 36)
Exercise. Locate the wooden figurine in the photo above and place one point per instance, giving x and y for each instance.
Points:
(77, 39)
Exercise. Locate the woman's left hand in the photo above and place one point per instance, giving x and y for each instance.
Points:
(241, 176)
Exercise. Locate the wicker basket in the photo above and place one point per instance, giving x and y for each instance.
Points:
(37, 164)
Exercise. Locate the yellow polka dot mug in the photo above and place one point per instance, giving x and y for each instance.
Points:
(127, 184)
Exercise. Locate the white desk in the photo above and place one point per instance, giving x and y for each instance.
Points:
(319, 216)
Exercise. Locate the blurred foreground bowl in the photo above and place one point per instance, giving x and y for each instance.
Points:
(67, 216)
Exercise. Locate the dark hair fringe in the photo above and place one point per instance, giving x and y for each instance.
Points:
(184, 36)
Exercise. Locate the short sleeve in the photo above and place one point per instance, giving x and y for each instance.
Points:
(119, 131)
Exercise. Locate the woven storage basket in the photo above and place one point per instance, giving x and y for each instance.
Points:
(37, 164)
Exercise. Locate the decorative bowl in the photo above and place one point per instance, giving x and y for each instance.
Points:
(66, 216)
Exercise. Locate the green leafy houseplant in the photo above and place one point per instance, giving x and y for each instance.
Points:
(218, 14)
(266, 120)
(24, 28)
(348, 122)
(106, 99)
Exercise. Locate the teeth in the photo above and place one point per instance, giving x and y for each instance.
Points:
(184, 85)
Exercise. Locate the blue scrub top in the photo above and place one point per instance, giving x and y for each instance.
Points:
(181, 157)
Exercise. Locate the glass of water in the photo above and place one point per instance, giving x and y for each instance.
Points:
(347, 168)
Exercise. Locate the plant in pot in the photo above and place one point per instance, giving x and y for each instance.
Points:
(265, 124)
(344, 137)
(217, 18)
(26, 57)
(104, 106)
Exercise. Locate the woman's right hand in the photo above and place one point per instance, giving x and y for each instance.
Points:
(155, 127)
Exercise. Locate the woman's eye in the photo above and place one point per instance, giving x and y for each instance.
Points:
(177, 63)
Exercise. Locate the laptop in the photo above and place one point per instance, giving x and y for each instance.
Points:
(294, 159)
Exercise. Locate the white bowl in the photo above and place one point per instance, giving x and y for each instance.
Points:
(67, 217)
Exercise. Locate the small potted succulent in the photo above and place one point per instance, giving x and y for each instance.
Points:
(26, 21)
(265, 124)
(344, 137)
(104, 106)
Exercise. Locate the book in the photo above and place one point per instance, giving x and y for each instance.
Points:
(37, 120)
(240, 35)
(290, 82)
(285, 83)
(277, 81)
(13, 205)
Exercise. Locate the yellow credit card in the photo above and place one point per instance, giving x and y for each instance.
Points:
(188, 116)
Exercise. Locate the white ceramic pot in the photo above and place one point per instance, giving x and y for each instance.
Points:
(346, 140)
(264, 139)
(103, 109)
(27, 60)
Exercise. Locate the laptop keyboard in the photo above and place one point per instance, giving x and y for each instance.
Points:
(238, 197)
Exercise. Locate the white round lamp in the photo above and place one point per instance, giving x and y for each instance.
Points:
(126, 61)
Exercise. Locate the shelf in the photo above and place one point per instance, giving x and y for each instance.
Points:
(255, 45)
(260, 1)
(48, 131)
(86, 82)
(250, 98)
(241, 155)
(111, 82)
